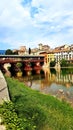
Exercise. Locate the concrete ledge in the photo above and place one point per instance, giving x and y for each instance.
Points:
(4, 95)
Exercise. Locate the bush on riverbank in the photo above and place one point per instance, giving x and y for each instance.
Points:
(42, 112)
(10, 118)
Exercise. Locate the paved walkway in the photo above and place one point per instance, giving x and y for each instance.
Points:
(4, 95)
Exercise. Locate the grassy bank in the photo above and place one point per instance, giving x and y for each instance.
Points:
(32, 110)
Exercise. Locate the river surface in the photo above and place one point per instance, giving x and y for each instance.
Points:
(49, 81)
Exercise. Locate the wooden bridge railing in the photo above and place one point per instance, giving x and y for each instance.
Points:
(15, 61)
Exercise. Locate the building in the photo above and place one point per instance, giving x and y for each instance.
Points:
(43, 47)
(63, 52)
(22, 50)
(40, 50)
(49, 57)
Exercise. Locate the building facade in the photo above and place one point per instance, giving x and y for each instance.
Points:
(65, 53)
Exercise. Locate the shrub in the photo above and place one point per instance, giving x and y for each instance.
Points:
(11, 119)
(52, 64)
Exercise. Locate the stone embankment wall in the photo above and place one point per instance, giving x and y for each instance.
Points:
(4, 95)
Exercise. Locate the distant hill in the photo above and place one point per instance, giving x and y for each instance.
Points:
(2, 52)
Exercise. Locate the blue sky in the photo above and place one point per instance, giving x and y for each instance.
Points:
(30, 22)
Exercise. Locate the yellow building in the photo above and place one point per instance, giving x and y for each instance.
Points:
(49, 57)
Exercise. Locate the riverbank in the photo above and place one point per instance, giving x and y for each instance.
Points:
(39, 111)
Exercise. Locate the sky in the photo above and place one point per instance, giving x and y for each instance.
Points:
(30, 22)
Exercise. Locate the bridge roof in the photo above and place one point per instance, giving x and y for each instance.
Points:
(19, 56)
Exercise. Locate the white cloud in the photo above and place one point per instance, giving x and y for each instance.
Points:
(13, 14)
(53, 22)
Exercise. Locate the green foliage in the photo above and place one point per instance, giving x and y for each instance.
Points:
(66, 71)
(63, 63)
(8, 52)
(52, 63)
(53, 71)
(11, 119)
(38, 109)
(19, 65)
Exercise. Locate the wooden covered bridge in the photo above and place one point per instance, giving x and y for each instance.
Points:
(28, 61)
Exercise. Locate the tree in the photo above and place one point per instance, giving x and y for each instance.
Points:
(52, 63)
(8, 52)
(63, 63)
(29, 50)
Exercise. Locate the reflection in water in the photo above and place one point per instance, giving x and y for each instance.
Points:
(53, 76)
(51, 81)
(58, 84)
